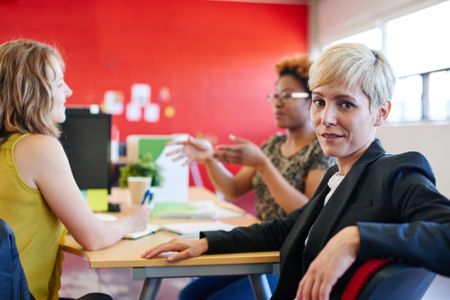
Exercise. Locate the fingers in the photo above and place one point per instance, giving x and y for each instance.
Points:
(238, 139)
(184, 144)
(180, 256)
(307, 287)
(240, 143)
(315, 290)
(299, 294)
(179, 157)
(175, 151)
(324, 291)
(189, 140)
(171, 143)
(155, 251)
(233, 157)
(178, 154)
(313, 287)
(229, 147)
(152, 252)
(186, 162)
(183, 249)
(197, 143)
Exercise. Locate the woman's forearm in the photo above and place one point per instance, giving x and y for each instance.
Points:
(287, 196)
(224, 181)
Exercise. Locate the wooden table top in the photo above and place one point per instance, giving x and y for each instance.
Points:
(127, 253)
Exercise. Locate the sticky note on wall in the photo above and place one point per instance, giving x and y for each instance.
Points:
(97, 199)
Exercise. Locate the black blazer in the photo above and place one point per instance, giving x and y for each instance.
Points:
(391, 198)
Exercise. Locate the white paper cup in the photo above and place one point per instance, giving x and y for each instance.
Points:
(137, 187)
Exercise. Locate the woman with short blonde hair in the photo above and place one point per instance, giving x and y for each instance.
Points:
(371, 204)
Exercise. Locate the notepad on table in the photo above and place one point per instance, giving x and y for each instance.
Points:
(149, 229)
(192, 229)
(185, 229)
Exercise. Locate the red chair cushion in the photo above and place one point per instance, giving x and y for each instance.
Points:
(362, 276)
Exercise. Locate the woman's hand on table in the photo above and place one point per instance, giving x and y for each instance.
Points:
(183, 249)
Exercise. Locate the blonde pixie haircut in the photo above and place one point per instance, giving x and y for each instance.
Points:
(25, 92)
(354, 64)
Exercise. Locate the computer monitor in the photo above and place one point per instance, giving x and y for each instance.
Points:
(86, 138)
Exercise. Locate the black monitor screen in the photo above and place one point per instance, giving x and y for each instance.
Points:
(86, 138)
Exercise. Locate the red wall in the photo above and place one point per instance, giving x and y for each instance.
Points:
(216, 57)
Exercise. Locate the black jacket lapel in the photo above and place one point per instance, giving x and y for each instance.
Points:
(293, 246)
(331, 213)
(310, 213)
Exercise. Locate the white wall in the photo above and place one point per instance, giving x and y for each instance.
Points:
(331, 20)
(431, 139)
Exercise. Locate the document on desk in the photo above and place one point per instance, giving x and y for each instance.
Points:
(149, 229)
(185, 229)
(194, 210)
(192, 229)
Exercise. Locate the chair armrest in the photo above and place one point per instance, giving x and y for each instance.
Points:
(388, 280)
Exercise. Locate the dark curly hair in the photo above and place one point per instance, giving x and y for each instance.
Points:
(296, 66)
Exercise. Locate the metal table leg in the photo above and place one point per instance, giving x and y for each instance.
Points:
(260, 286)
(150, 288)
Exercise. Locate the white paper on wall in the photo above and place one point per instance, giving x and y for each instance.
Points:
(133, 113)
(164, 94)
(141, 93)
(151, 112)
(113, 102)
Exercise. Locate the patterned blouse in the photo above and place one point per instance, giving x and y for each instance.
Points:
(294, 169)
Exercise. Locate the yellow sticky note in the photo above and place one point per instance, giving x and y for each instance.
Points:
(97, 199)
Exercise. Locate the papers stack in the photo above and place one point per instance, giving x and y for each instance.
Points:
(185, 229)
(193, 229)
(151, 228)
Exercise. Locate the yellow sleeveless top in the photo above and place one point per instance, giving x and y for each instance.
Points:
(37, 229)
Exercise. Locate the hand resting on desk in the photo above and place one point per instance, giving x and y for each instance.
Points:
(183, 249)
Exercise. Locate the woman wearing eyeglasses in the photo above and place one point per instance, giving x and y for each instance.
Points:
(284, 172)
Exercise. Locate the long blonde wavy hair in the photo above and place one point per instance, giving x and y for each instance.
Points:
(26, 99)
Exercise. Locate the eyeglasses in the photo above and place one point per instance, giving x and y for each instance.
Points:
(287, 96)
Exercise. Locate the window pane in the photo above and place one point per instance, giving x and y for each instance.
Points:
(371, 38)
(407, 100)
(417, 43)
(439, 103)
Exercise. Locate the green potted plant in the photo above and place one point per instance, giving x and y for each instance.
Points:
(145, 167)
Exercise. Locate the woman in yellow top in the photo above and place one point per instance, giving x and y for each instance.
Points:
(38, 194)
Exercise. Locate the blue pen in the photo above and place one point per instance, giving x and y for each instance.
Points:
(148, 195)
